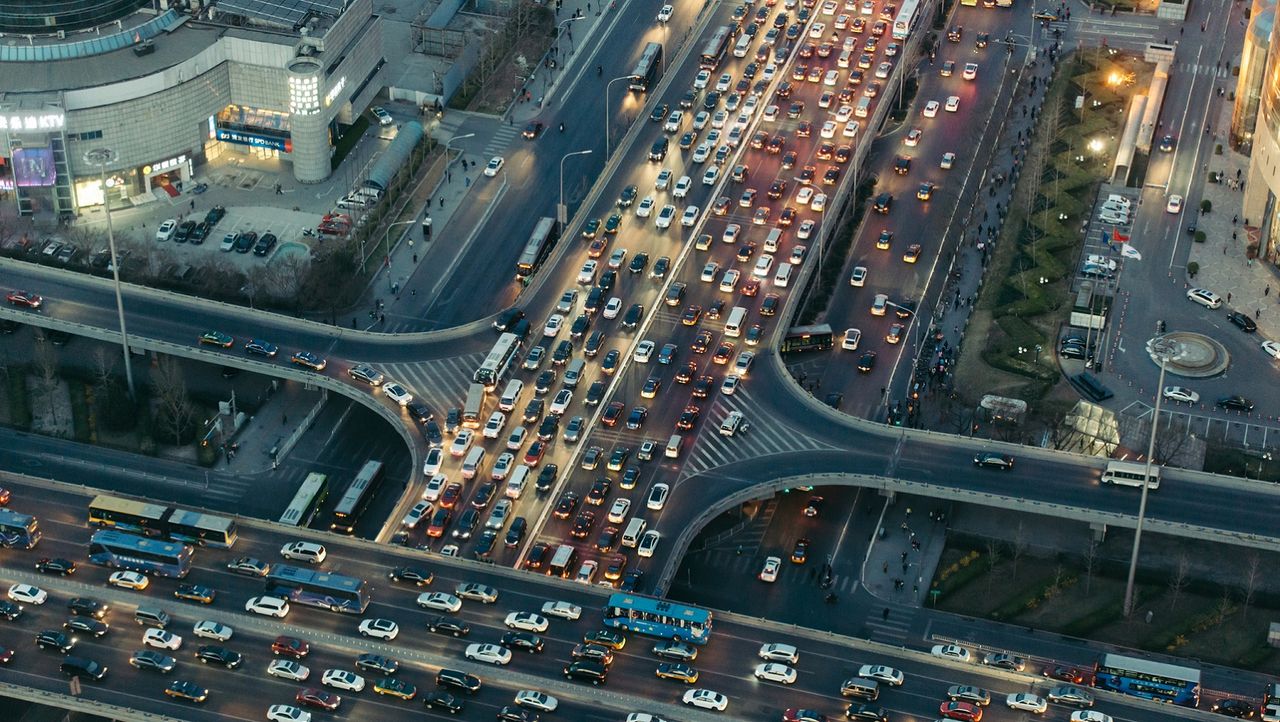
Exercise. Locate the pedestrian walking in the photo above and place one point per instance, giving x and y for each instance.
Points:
(1267, 292)
(1257, 313)
(885, 614)
(1228, 298)
(1234, 219)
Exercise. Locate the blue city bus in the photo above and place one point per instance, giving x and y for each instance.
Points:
(326, 590)
(1150, 680)
(658, 618)
(118, 550)
(158, 520)
(18, 530)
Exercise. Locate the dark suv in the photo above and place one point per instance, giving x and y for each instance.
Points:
(53, 639)
(84, 606)
(468, 683)
(587, 671)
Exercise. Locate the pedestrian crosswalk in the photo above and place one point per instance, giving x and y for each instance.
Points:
(731, 565)
(711, 450)
(891, 628)
(442, 383)
(499, 140)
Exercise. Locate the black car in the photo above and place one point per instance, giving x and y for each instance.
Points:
(522, 640)
(444, 701)
(449, 625)
(84, 606)
(587, 671)
(53, 639)
(453, 420)
(515, 533)
(184, 231)
(190, 691)
(10, 610)
(199, 233)
(62, 567)
(370, 662)
(533, 129)
(153, 660)
(214, 215)
(1243, 322)
(245, 241)
(411, 575)
(249, 567)
(1166, 144)
(547, 477)
(214, 654)
(511, 713)
(468, 683)
(659, 113)
(264, 244)
(992, 460)
(1233, 708)
(660, 267)
(982, 40)
(86, 625)
(195, 593)
(1235, 403)
(638, 262)
(507, 318)
(432, 433)
(418, 411)
(631, 582)
(867, 362)
(866, 713)
(595, 393)
(883, 203)
(548, 427)
(633, 316)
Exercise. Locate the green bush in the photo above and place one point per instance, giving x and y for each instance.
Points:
(961, 578)
(1206, 206)
(1085, 624)
(1200, 237)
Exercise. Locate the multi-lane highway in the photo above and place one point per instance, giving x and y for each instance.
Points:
(725, 664)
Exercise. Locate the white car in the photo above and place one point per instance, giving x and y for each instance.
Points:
(435, 459)
(881, 673)
(397, 393)
(644, 351)
(1181, 393)
(617, 258)
(779, 652)
(663, 180)
(953, 104)
(703, 77)
(540, 701)
(1272, 348)
(948, 160)
(488, 653)
(970, 71)
(1027, 702)
(517, 437)
(287, 713)
(648, 543)
(343, 680)
(701, 119)
(742, 364)
(288, 669)
(706, 699)
(806, 229)
(709, 272)
(951, 651)
(774, 672)
(913, 137)
(209, 629)
(690, 217)
(268, 606)
(560, 403)
(682, 187)
(844, 114)
(665, 216)
(166, 230)
(161, 639)
(494, 425)
(859, 276)
(729, 281)
(587, 572)
(379, 628)
(828, 129)
(723, 82)
(129, 580)
(817, 30)
(28, 594)
(644, 208)
(731, 233)
(1088, 715)
(1174, 205)
(563, 610)
(618, 512)
(664, 15)
(819, 203)
(769, 572)
(415, 515)
(439, 602)
(710, 176)
(763, 265)
(587, 274)
(658, 496)
(502, 466)
(851, 338)
(700, 155)
(384, 118)
(612, 308)
(931, 109)
(804, 195)
(1205, 297)
(674, 121)
(495, 165)
(729, 385)
(461, 443)
(552, 327)
(527, 621)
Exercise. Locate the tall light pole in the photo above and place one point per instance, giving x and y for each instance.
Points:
(609, 109)
(561, 27)
(562, 213)
(449, 143)
(1164, 349)
(102, 157)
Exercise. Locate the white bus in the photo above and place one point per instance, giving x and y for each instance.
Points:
(498, 362)
(475, 403)
(1129, 473)
(905, 22)
(733, 327)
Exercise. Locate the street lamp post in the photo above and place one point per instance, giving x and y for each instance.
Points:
(561, 27)
(609, 109)
(449, 143)
(386, 241)
(101, 157)
(1164, 349)
(562, 213)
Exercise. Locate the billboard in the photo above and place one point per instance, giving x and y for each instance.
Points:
(33, 167)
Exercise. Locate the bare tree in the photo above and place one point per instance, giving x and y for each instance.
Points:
(1019, 547)
(1252, 575)
(1090, 564)
(993, 560)
(1178, 581)
(47, 367)
(176, 411)
(103, 368)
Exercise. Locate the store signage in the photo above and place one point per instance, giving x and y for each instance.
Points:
(32, 121)
(257, 141)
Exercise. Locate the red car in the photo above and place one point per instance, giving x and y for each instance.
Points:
(25, 298)
(319, 698)
(290, 647)
(964, 711)
(6, 655)
(533, 456)
(612, 413)
(439, 522)
(449, 497)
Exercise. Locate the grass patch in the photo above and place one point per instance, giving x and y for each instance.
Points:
(20, 414)
(348, 141)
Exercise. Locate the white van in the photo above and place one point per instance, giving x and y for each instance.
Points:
(731, 423)
(511, 396)
(573, 374)
(733, 326)
(846, 56)
(743, 47)
(783, 275)
(471, 464)
(863, 108)
(635, 528)
(772, 240)
(673, 446)
(516, 484)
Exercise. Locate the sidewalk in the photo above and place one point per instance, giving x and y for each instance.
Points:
(281, 419)
(901, 564)
(1248, 286)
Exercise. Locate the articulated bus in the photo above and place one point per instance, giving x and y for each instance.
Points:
(1150, 680)
(906, 20)
(157, 520)
(658, 618)
(1131, 473)
(715, 49)
(357, 498)
(498, 362)
(118, 550)
(648, 69)
(311, 494)
(19, 530)
(315, 588)
(544, 237)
